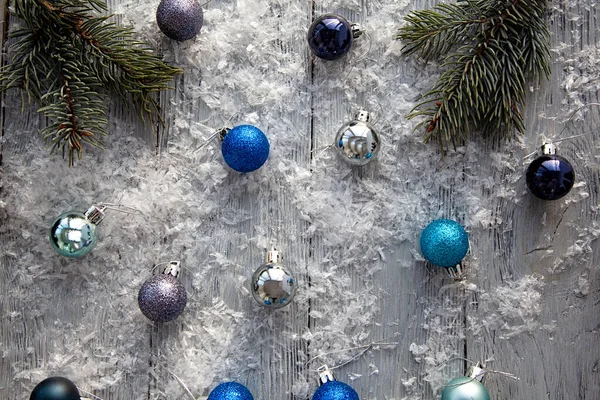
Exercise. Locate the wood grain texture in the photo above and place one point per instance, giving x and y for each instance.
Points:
(403, 300)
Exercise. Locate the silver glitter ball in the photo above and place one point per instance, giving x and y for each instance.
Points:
(162, 298)
(357, 142)
(273, 285)
(179, 19)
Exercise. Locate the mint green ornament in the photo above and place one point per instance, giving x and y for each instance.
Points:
(467, 387)
(74, 234)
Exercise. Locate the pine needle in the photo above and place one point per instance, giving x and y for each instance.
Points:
(487, 49)
(69, 59)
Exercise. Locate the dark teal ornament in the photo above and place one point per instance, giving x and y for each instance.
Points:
(55, 388)
(230, 391)
(332, 389)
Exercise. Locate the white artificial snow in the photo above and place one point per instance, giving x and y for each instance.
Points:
(240, 70)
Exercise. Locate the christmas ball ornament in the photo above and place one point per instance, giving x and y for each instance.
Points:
(74, 234)
(55, 388)
(273, 285)
(245, 148)
(332, 389)
(444, 243)
(330, 36)
(230, 391)
(357, 142)
(179, 19)
(162, 298)
(467, 387)
(550, 176)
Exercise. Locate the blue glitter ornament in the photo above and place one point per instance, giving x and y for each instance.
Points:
(467, 387)
(550, 176)
(444, 243)
(245, 148)
(55, 388)
(230, 391)
(332, 389)
(163, 297)
(330, 36)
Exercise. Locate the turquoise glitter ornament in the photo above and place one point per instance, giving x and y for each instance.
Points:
(332, 389)
(467, 387)
(230, 391)
(444, 243)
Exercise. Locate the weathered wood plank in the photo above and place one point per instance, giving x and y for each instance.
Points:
(538, 268)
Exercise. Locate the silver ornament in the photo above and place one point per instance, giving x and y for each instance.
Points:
(273, 285)
(356, 141)
(163, 297)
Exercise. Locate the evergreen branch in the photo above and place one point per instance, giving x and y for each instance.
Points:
(487, 50)
(69, 60)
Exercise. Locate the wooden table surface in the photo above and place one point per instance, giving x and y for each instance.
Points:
(530, 303)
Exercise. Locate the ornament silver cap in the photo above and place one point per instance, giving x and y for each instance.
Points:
(476, 372)
(222, 133)
(273, 256)
(95, 214)
(456, 272)
(357, 30)
(363, 116)
(173, 268)
(548, 149)
(325, 375)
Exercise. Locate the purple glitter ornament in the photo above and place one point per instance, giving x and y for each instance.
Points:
(179, 19)
(162, 298)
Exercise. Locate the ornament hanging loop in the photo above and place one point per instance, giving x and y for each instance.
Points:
(476, 372)
(220, 133)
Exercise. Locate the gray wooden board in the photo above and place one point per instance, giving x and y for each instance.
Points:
(547, 250)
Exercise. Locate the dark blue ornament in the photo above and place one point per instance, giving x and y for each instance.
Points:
(444, 243)
(245, 148)
(335, 390)
(179, 19)
(550, 177)
(55, 388)
(230, 391)
(330, 37)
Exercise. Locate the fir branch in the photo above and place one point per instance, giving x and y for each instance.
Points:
(487, 50)
(69, 60)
